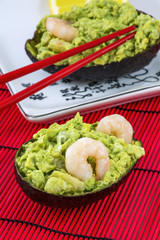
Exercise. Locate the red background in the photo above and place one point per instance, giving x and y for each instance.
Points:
(132, 212)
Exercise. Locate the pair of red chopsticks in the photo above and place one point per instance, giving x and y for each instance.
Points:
(64, 72)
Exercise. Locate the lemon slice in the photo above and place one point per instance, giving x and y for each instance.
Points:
(58, 6)
(122, 1)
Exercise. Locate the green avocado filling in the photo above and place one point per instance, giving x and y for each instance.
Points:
(41, 162)
(96, 19)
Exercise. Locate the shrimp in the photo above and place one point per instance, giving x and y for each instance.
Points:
(117, 125)
(61, 29)
(77, 154)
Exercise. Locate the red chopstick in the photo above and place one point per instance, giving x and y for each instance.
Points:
(61, 74)
(58, 57)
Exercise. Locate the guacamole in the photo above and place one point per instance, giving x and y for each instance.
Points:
(41, 162)
(96, 19)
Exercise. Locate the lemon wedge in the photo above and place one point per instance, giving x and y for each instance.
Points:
(58, 6)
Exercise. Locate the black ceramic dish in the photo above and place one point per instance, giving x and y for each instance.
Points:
(114, 69)
(59, 201)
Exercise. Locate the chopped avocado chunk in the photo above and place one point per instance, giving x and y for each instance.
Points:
(76, 184)
(38, 179)
(57, 186)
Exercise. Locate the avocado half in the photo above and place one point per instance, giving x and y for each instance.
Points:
(62, 201)
(99, 72)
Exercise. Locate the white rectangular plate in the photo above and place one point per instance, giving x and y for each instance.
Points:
(18, 22)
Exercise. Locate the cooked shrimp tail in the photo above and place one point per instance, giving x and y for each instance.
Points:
(77, 154)
(61, 29)
(117, 125)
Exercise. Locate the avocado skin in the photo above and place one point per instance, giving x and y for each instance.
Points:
(62, 201)
(108, 71)
(114, 69)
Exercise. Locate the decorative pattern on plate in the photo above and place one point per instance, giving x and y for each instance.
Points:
(72, 89)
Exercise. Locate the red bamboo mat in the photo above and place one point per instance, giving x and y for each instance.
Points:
(132, 212)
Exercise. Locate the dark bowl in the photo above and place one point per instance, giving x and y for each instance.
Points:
(114, 69)
(59, 201)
